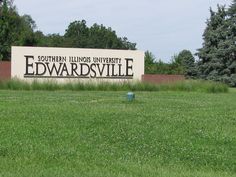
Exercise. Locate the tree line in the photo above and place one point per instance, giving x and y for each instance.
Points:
(21, 31)
(182, 63)
(217, 57)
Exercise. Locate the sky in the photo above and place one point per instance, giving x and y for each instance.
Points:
(164, 27)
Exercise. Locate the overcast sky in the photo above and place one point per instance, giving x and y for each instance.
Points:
(164, 27)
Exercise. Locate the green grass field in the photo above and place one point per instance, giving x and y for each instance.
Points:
(100, 134)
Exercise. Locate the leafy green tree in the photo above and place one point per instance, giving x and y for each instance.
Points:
(186, 63)
(14, 29)
(9, 22)
(78, 34)
(51, 40)
(149, 60)
(176, 65)
(183, 63)
(26, 32)
(163, 68)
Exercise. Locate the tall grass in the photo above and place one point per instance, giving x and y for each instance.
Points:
(188, 86)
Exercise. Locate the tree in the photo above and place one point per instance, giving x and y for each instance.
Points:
(232, 9)
(26, 32)
(186, 63)
(149, 63)
(232, 42)
(9, 22)
(163, 68)
(78, 34)
(51, 40)
(183, 63)
(217, 56)
(14, 29)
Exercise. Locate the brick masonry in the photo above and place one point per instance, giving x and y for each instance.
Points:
(5, 70)
(162, 78)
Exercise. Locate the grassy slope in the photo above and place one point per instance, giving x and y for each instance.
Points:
(100, 134)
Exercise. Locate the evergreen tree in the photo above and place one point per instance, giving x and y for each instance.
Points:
(217, 56)
(232, 9)
(232, 42)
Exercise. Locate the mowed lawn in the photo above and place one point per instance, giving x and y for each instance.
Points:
(100, 134)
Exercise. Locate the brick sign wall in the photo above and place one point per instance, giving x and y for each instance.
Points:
(162, 78)
(5, 70)
(5, 73)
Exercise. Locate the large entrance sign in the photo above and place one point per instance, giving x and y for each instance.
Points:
(63, 64)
